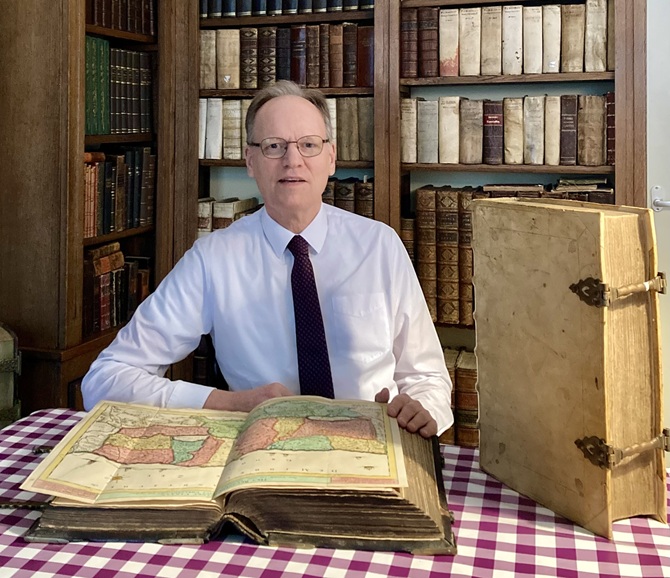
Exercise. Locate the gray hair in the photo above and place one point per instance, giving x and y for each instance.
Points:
(288, 88)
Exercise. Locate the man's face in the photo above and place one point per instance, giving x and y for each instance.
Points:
(292, 185)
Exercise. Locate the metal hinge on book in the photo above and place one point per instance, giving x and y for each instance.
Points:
(607, 457)
(598, 294)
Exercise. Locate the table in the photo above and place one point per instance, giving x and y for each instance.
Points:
(498, 532)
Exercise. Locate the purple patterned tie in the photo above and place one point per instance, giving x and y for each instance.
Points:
(313, 362)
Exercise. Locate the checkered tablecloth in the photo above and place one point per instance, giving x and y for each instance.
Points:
(498, 532)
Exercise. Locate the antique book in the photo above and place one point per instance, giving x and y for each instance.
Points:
(332, 113)
(491, 56)
(248, 57)
(569, 129)
(426, 131)
(575, 286)
(364, 198)
(328, 196)
(467, 400)
(448, 42)
(289, 7)
(243, 8)
(349, 54)
(304, 6)
(299, 54)
(573, 21)
(552, 130)
(283, 54)
(214, 134)
(409, 50)
(324, 55)
(232, 129)
(408, 130)
(512, 39)
(259, 7)
(595, 36)
(244, 107)
(532, 39)
(533, 130)
(426, 251)
(336, 56)
(450, 357)
(202, 126)
(222, 8)
(471, 127)
(611, 53)
(551, 38)
(470, 41)
(448, 121)
(347, 129)
(493, 132)
(267, 56)
(207, 59)
(205, 206)
(365, 58)
(446, 248)
(274, 7)
(465, 292)
(406, 234)
(610, 137)
(428, 19)
(228, 58)
(513, 130)
(591, 130)
(226, 211)
(345, 194)
(366, 128)
(312, 59)
(177, 476)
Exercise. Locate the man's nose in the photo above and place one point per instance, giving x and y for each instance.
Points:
(292, 156)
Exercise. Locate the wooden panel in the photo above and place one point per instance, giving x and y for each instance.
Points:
(386, 209)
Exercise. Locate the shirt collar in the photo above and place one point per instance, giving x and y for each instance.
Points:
(279, 237)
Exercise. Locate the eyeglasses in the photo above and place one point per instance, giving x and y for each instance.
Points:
(275, 148)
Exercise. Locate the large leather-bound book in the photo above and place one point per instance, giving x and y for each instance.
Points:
(610, 139)
(313, 49)
(365, 59)
(569, 129)
(533, 130)
(336, 56)
(512, 39)
(448, 120)
(595, 36)
(573, 21)
(324, 55)
(366, 128)
(347, 129)
(383, 491)
(552, 130)
(513, 130)
(428, 18)
(207, 59)
(575, 287)
(426, 251)
(299, 54)
(532, 39)
(267, 56)
(408, 130)
(349, 54)
(471, 131)
(427, 131)
(491, 55)
(446, 247)
(493, 132)
(470, 41)
(248, 57)
(448, 41)
(591, 130)
(228, 58)
(283, 54)
(551, 38)
(409, 49)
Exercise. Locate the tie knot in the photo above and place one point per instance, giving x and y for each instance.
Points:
(298, 246)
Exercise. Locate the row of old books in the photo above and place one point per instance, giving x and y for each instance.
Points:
(231, 8)
(136, 16)
(462, 367)
(114, 285)
(118, 190)
(222, 131)
(213, 214)
(351, 194)
(118, 89)
(311, 55)
(569, 129)
(507, 39)
(440, 237)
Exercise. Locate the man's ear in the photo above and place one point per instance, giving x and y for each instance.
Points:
(333, 158)
(248, 157)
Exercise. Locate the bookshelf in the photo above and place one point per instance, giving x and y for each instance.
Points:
(42, 213)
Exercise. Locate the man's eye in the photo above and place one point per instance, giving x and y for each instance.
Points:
(308, 145)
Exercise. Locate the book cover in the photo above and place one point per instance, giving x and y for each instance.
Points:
(513, 130)
(447, 254)
(551, 38)
(470, 41)
(428, 41)
(228, 58)
(532, 39)
(493, 132)
(533, 130)
(349, 54)
(573, 21)
(448, 121)
(426, 236)
(595, 36)
(448, 41)
(248, 58)
(471, 127)
(409, 48)
(427, 131)
(569, 129)
(512, 39)
(408, 130)
(591, 130)
(491, 58)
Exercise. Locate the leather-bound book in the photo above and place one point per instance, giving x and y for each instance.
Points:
(336, 56)
(448, 121)
(313, 51)
(552, 130)
(470, 40)
(513, 130)
(366, 128)
(426, 257)
(267, 56)
(345, 197)
(408, 130)
(595, 36)
(365, 63)
(283, 53)
(319, 6)
(328, 196)
(491, 57)
(512, 39)
(259, 7)
(427, 131)
(465, 292)
(304, 6)
(471, 126)
(428, 18)
(551, 38)
(591, 130)
(324, 55)
(493, 132)
(228, 58)
(467, 401)
(446, 247)
(274, 7)
(448, 41)
(407, 225)
(533, 130)
(347, 129)
(349, 54)
(409, 43)
(289, 6)
(207, 59)
(610, 124)
(364, 198)
(611, 61)
(243, 7)
(120, 210)
(299, 54)
(223, 8)
(232, 129)
(334, 5)
(569, 129)
(573, 20)
(349, 5)
(532, 39)
(248, 57)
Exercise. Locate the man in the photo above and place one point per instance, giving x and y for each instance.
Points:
(237, 285)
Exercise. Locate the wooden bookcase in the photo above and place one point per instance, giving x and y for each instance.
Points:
(42, 114)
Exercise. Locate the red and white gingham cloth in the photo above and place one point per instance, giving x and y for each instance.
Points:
(498, 532)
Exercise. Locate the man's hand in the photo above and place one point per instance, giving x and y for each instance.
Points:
(245, 400)
(409, 412)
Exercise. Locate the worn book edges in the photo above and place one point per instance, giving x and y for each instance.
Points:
(448, 42)
(426, 237)
(341, 474)
(447, 254)
(589, 381)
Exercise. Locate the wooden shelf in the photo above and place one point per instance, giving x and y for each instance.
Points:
(118, 235)
(251, 92)
(242, 163)
(241, 21)
(535, 169)
(459, 3)
(510, 79)
(94, 139)
(120, 34)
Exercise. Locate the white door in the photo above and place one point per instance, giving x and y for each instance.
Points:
(658, 160)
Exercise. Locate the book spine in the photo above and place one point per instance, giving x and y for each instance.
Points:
(299, 54)
(611, 53)
(533, 130)
(228, 58)
(569, 129)
(319, 6)
(334, 5)
(471, 131)
(426, 259)
(446, 249)
(283, 58)
(448, 129)
(408, 129)
(532, 39)
(345, 197)
(591, 130)
(364, 198)
(595, 36)
(259, 7)
(469, 34)
(243, 8)
(349, 54)
(216, 9)
(407, 236)
(289, 6)
(409, 43)
(232, 129)
(512, 39)
(366, 128)
(465, 288)
(248, 58)
(274, 7)
(428, 41)
(448, 42)
(214, 130)
(324, 55)
(304, 6)
(573, 18)
(491, 57)
(513, 130)
(347, 129)
(551, 38)
(313, 51)
(493, 132)
(552, 130)
(336, 56)
(610, 123)
(328, 196)
(427, 131)
(267, 56)
(365, 56)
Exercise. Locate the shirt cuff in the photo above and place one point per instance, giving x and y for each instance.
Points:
(188, 395)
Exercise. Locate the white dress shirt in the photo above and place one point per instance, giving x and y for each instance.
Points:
(236, 284)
